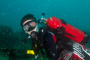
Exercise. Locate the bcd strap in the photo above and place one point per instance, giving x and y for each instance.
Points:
(61, 30)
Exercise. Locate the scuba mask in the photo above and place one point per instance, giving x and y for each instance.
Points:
(28, 27)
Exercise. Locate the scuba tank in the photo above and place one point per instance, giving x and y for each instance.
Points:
(72, 32)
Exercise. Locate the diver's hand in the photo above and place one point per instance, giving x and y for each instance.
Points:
(36, 56)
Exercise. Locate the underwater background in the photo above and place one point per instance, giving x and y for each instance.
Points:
(74, 12)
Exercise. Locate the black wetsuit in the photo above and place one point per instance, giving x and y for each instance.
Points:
(48, 44)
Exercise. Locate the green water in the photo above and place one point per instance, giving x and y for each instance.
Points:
(74, 12)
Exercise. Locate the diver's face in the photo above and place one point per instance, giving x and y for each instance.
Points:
(29, 26)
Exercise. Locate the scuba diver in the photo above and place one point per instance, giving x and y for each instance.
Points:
(40, 37)
(60, 40)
